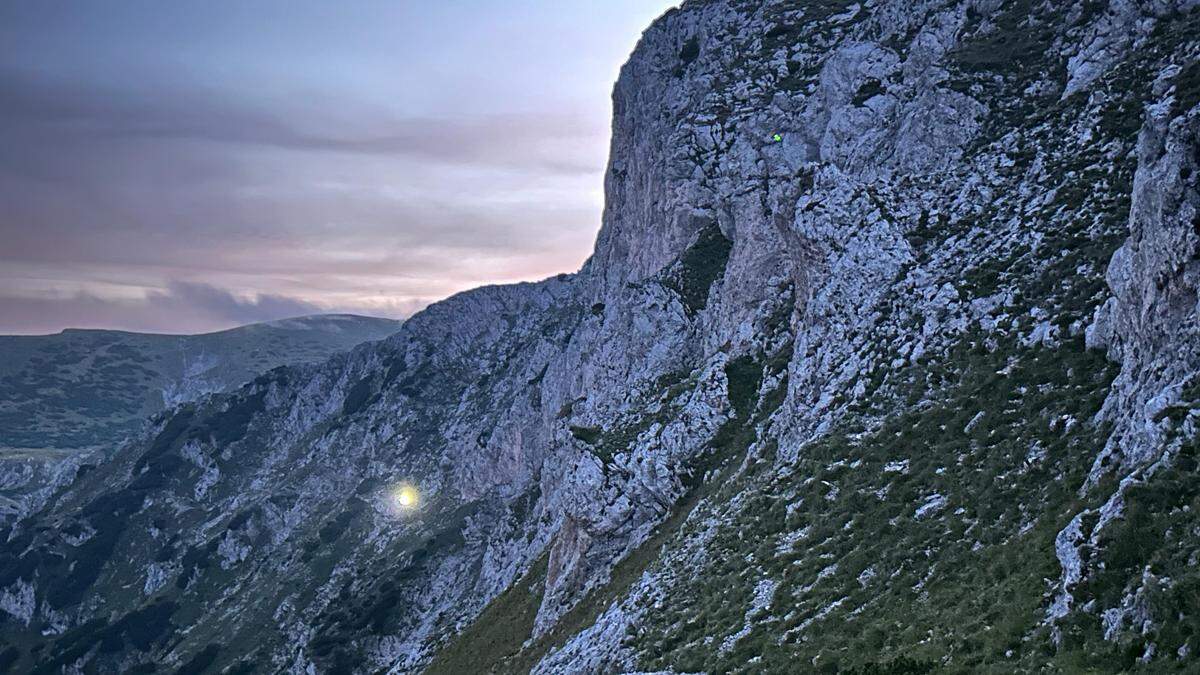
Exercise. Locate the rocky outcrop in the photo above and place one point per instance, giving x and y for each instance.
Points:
(1150, 324)
(821, 396)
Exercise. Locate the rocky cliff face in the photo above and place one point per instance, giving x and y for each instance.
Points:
(886, 356)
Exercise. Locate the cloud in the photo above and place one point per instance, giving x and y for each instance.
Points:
(222, 305)
(178, 194)
(38, 111)
(182, 307)
(190, 169)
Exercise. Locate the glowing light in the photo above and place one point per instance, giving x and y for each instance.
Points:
(405, 497)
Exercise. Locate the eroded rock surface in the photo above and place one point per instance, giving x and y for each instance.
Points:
(886, 355)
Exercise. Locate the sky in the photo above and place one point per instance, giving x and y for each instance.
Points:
(191, 165)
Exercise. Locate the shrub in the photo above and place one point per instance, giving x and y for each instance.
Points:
(700, 266)
(589, 435)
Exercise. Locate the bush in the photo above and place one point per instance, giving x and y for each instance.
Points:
(589, 435)
(699, 267)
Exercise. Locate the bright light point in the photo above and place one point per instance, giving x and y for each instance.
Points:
(405, 497)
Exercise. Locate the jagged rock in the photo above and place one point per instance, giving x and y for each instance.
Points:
(783, 361)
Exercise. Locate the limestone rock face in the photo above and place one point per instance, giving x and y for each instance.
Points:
(885, 356)
(1151, 320)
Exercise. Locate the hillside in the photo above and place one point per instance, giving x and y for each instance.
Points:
(886, 360)
(84, 390)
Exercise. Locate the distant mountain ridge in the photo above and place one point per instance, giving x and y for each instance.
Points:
(82, 388)
(65, 396)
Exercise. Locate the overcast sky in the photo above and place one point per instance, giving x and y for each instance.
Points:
(191, 165)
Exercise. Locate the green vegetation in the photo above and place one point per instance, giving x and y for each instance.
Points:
(864, 584)
(1187, 89)
(140, 630)
(745, 376)
(201, 661)
(914, 535)
(358, 396)
(700, 266)
(232, 424)
(8, 657)
(662, 398)
(687, 55)
(867, 586)
(499, 632)
(375, 606)
(587, 435)
(857, 515)
(1009, 47)
(1156, 535)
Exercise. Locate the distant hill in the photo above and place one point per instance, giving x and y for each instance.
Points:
(87, 388)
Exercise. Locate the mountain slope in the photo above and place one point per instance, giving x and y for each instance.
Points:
(91, 387)
(886, 358)
(87, 389)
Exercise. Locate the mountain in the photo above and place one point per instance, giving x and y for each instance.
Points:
(886, 360)
(82, 388)
(90, 389)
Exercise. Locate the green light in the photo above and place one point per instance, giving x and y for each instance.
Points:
(778, 138)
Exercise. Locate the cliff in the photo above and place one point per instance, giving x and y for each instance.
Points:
(886, 357)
